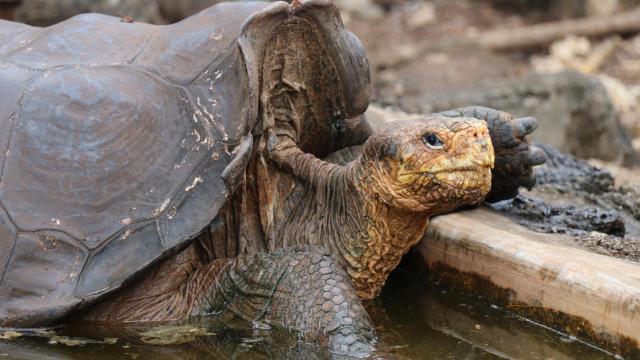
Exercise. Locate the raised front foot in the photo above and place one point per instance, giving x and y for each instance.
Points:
(303, 289)
(515, 158)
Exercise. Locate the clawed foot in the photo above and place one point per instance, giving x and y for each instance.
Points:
(515, 158)
(302, 289)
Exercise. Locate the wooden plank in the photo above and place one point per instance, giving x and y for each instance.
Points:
(542, 271)
(541, 34)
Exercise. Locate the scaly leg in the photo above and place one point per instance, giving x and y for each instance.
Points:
(301, 289)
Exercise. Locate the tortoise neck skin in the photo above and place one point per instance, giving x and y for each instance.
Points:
(371, 211)
(389, 232)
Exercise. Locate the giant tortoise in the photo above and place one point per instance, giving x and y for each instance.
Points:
(152, 173)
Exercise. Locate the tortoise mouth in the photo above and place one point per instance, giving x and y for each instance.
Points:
(301, 95)
(456, 169)
(463, 169)
(465, 178)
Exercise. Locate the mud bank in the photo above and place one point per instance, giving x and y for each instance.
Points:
(581, 202)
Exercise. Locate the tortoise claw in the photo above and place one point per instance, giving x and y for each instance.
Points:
(536, 156)
(524, 126)
(529, 182)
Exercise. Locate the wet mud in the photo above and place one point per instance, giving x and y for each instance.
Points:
(582, 202)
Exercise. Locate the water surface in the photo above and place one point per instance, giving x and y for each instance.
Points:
(416, 319)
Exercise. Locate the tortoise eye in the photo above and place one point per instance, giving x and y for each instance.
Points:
(433, 141)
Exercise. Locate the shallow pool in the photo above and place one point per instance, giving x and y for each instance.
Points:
(416, 319)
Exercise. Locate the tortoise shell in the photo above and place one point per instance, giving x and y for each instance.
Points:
(121, 141)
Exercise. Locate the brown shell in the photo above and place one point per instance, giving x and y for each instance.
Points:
(120, 141)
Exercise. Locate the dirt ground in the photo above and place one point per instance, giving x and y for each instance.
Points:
(412, 50)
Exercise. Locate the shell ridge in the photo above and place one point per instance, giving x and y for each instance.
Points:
(13, 119)
(21, 231)
(179, 198)
(39, 36)
(15, 240)
(143, 47)
(217, 59)
(152, 74)
(75, 241)
(16, 34)
(251, 58)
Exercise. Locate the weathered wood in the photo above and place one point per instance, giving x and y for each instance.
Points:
(540, 271)
(545, 33)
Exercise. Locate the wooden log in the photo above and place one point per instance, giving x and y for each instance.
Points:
(545, 33)
(540, 272)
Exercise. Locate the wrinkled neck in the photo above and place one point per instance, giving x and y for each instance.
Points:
(390, 233)
(341, 210)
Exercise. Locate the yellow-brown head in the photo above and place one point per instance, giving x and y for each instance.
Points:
(432, 164)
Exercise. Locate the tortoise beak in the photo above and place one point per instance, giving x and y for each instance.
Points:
(484, 150)
(475, 143)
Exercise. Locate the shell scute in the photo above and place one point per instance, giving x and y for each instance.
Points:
(33, 281)
(117, 260)
(87, 39)
(94, 146)
(8, 235)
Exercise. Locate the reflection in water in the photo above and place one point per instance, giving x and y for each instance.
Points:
(415, 319)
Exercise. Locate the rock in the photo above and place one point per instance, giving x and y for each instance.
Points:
(564, 9)
(49, 12)
(570, 174)
(8, 9)
(390, 4)
(564, 218)
(602, 7)
(378, 116)
(361, 9)
(567, 53)
(423, 14)
(174, 11)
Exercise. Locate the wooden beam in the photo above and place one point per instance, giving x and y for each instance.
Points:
(541, 271)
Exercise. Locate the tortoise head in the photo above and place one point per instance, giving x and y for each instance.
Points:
(432, 164)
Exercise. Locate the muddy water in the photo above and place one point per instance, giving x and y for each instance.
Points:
(415, 319)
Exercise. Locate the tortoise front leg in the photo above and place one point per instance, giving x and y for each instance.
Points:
(284, 150)
(515, 158)
(302, 289)
(357, 131)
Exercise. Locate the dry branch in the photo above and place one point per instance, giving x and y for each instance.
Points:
(542, 34)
